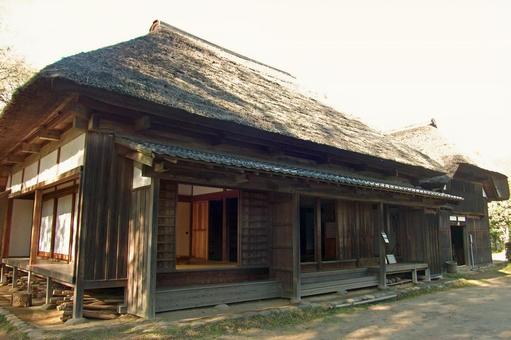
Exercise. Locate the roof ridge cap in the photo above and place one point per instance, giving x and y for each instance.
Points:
(158, 23)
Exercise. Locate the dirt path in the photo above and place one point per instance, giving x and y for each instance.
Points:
(470, 313)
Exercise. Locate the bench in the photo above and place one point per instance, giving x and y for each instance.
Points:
(397, 268)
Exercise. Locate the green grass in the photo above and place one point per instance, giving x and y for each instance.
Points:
(8, 331)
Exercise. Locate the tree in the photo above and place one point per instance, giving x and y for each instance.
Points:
(500, 222)
(14, 72)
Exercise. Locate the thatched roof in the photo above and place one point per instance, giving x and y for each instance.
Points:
(178, 70)
(429, 140)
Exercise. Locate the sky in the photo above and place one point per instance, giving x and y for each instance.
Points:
(390, 63)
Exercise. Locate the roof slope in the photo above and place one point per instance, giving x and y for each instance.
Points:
(429, 140)
(176, 69)
(284, 169)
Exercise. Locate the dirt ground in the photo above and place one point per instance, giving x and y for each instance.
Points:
(481, 312)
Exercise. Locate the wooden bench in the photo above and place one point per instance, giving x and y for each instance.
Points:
(396, 268)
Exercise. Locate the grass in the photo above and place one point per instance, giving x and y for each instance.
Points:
(8, 331)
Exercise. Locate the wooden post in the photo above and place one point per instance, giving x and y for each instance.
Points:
(152, 249)
(14, 277)
(381, 250)
(2, 273)
(225, 232)
(317, 229)
(80, 249)
(29, 282)
(296, 295)
(49, 290)
(36, 220)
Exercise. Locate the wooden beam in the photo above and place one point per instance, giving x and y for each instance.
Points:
(36, 220)
(30, 148)
(141, 157)
(317, 233)
(143, 123)
(14, 159)
(381, 247)
(80, 123)
(49, 135)
(94, 121)
(295, 237)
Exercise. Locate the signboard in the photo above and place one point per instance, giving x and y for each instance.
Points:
(385, 238)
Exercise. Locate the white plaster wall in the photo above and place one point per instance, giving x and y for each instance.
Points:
(30, 175)
(21, 228)
(71, 154)
(48, 167)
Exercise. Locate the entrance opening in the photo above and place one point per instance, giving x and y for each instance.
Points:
(307, 237)
(206, 227)
(458, 245)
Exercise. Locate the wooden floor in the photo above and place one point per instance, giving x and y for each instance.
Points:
(59, 271)
(211, 295)
(332, 281)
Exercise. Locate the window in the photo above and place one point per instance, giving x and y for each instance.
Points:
(57, 222)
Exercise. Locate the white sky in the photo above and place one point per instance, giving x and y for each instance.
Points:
(392, 63)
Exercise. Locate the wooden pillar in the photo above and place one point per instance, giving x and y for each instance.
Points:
(381, 247)
(36, 220)
(152, 249)
(29, 282)
(317, 234)
(14, 277)
(225, 232)
(80, 257)
(49, 290)
(296, 294)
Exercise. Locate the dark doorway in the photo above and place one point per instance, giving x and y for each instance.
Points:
(458, 245)
(215, 230)
(232, 227)
(307, 239)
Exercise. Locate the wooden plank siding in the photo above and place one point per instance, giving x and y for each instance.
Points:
(210, 295)
(106, 188)
(478, 227)
(285, 266)
(166, 253)
(415, 236)
(254, 228)
(356, 228)
(444, 237)
(141, 287)
(4, 205)
(474, 202)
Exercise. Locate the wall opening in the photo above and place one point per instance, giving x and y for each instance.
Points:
(206, 227)
(458, 245)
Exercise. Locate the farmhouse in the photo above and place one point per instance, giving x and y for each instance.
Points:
(189, 175)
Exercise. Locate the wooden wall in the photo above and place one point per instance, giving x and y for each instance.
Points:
(479, 228)
(106, 191)
(416, 234)
(254, 228)
(285, 243)
(473, 202)
(444, 237)
(357, 230)
(166, 254)
(4, 203)
(141, 285)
